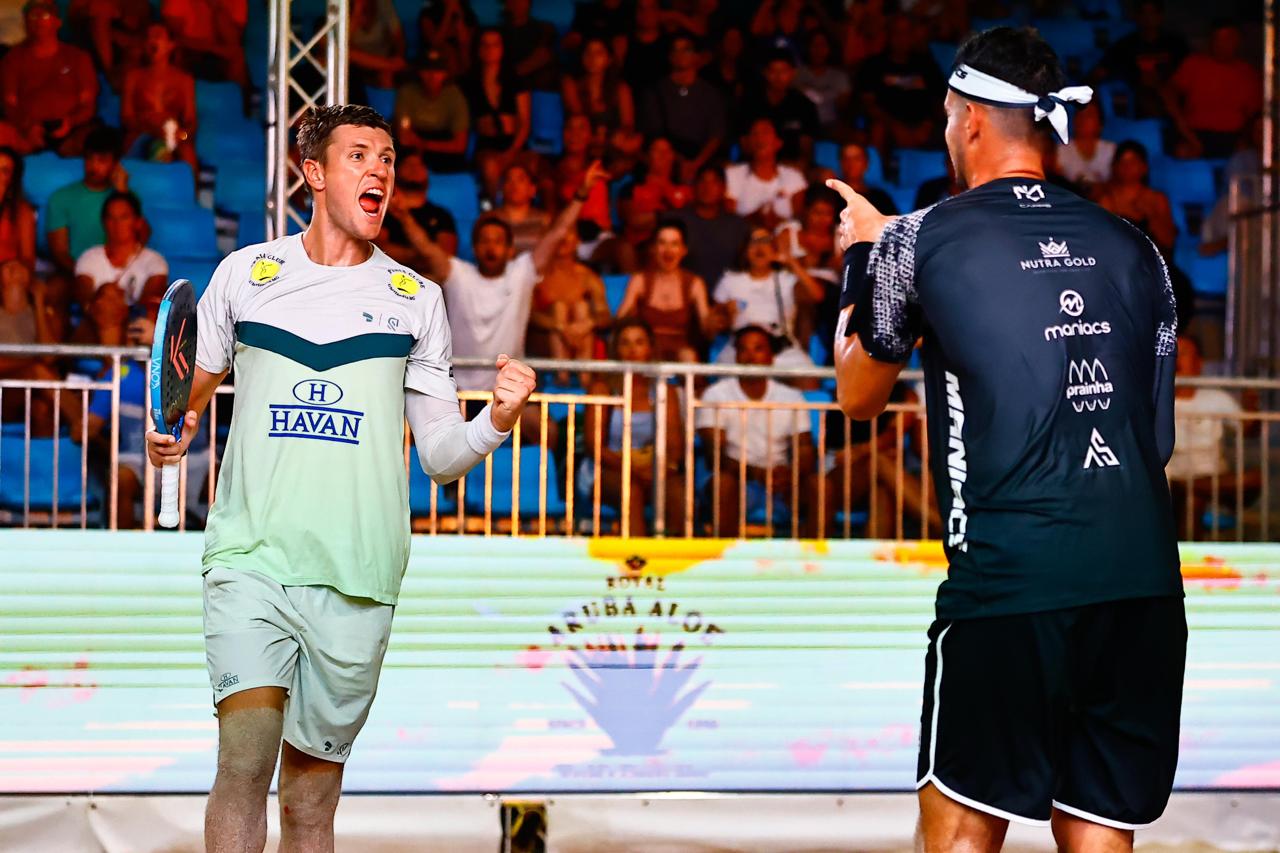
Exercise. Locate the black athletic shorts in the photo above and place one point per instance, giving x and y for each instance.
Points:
(1074, 709)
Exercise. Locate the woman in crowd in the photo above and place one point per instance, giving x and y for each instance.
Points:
(1129, 196)
(499, 109)
(17, 216)
(600, 94)
(569, 308)
(633, 341)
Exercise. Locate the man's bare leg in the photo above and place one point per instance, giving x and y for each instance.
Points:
(309, 789)
(1077, 835)
(947, 826)
(249, 729)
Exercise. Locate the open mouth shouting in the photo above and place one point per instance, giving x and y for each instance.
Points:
(372, 200)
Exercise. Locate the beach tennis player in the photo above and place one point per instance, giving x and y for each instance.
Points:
(334, 345)
(1053, 678)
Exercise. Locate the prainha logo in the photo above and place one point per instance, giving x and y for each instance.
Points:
(627, 652)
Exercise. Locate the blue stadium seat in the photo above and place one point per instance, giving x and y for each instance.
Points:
(1069, 36)
(458, 193)
(239, 186)
(903, 197)
(489, 12)
(557, 12)
(1185, 180)
(816, 415)
(917, 165)
(615, 288)
(546, 122)
(944, 53)
(1115, 97)
(827, 154)
(13, 464)
(500, 503)
(1148, 131)
(45, 172)
(231, 137)
(819, 350)
(1208, 275)
(382, 100)
(185, 233)
(198, 271)
(161, 185)
(251, 227)
(420, 492)
(218, 102)
(108, 103)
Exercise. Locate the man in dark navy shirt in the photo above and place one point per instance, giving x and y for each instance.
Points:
(1049, 331)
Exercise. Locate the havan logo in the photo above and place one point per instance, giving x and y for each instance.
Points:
(314, 415)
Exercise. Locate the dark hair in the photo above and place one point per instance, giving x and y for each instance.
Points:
(475, 50)
(11, 202)
(487, 219)
(319, 123)
(715, 168)
(776, 342)
(685, 35)
(1018, 56)
(632, 322)
(740, 262)
(778, 54)
(1133, 146)
(103, 140)
(1222, 23)
(817, 193)
(675, 225)
(127, 197)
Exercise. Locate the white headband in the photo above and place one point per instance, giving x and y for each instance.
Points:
(985, 89)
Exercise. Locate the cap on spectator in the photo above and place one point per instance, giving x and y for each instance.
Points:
(432, 60)
(47, 5)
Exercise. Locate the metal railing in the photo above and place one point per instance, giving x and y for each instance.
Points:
(837, 480)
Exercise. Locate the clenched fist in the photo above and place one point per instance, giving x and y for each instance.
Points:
(511, 391)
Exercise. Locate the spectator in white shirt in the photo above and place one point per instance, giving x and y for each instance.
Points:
(122, 260)
(1199, 471)
(1086, 160)
(767, 290)
(765, 444)
(762, 189)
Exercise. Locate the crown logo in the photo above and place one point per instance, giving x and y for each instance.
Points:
(1054, 250)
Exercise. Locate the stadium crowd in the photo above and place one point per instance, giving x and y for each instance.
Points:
(710, 236)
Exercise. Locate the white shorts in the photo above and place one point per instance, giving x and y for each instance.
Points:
(323, 647)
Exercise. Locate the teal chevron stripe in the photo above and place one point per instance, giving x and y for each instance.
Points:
(323, 356)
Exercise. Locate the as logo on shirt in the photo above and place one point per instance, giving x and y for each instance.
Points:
(314, 416)
(265, 269)
(404, 284)
(1030, 195)
(1099, 455)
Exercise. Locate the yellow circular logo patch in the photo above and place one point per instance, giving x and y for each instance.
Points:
(265, 270)
(404, 284)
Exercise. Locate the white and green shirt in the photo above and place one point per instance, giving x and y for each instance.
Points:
(312, 488)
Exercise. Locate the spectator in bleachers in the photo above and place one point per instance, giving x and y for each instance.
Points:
(716, 233)
(645, 50)
(73, 220)
(489, 302)
(448, 26)
(1144, 60)
(432, 117)
(597, 19)
(375, 43)
(50, 88)
(815, 249)
(1245, 164)
(410, 200)
(498, 103)
(794, 117)
(25, 318)
(768, 290)
(1214, 95)
(854, 162)
(685, 109)
(528, 224)
(937, 189)
(1086, 160)
(766, 443)
(570, 310)
(600, 94)
(783, 24)
(1198, 464)
(595, 221)
(866, 31)
(140, 273)
(728, 69)
(210, 37)
(158, 104)
(901, 89)
(633, 342)
(656, 190)
(827, 85)
(1129, 196)
(17, 216)
(116, 30)
(762, 189)
(531, 47)
(672, 300)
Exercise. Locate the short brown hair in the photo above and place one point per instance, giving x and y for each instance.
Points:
(318, 124)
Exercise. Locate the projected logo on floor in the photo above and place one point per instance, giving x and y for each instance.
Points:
(628, 654)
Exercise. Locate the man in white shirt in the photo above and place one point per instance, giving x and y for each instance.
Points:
(122, 259)
(766, 443)
(489, 301)
(761, 188)
(1198, 464)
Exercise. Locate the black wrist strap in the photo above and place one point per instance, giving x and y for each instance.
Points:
(858, 283)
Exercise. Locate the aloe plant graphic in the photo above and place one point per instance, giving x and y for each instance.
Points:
(632, 695)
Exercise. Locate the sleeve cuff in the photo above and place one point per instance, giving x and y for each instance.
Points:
(482, 435)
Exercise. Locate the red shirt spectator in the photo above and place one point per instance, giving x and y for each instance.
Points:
(50, 88)
(1218, 93)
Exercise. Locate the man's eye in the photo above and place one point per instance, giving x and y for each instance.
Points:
(357, 155)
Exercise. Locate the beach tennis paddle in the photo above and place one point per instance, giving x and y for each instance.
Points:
(173, 366)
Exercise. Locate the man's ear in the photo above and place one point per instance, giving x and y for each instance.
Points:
(313, 172)
(975, 119)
